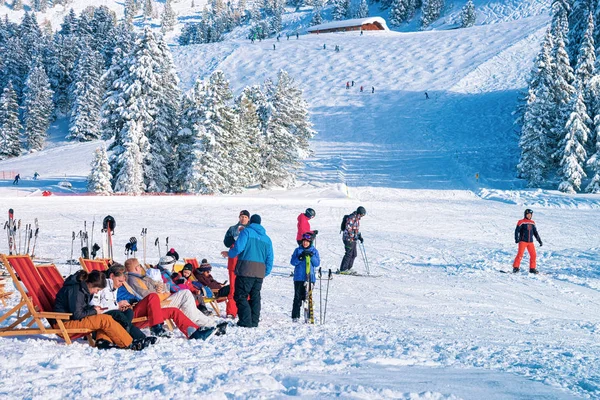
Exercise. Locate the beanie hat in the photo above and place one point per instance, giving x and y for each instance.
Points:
(166, 260)
(245, 212)
(173, 254)
(188, 267)
(255, 219)
(205, 266)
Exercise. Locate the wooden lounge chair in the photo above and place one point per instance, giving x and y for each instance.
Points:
(37, 300)
(192, 261)
(51, 277)
(93, 265)
(3, 293)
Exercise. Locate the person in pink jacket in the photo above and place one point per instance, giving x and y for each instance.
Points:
(304, 225)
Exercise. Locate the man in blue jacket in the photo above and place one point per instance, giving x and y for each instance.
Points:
(254, 251)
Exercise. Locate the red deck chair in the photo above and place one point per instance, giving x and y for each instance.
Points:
(38, 299)
(93, 265)
(52, 278)
(192, 261)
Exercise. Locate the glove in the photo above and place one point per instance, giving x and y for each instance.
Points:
(541, 243)
(516, 241)
(307, 253)
(315, 232)
(301, 257)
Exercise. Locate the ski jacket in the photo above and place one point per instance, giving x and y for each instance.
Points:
(351, 232)
(126, 293)
(207, 280)
(74, 297)
(143, 285)
(303, 226)
(300, 265)
(107, 297)
(232, 234)
(254, 251)
(526, 231)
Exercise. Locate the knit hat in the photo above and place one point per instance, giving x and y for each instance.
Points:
(188, 267)
(245, 212)
(255, 219)
(166, 261)
(205, 266)
(173, 254)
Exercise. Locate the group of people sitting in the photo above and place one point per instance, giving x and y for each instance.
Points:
(109, 302)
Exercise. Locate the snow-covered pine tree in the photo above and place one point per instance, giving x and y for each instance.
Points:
(40, 5)
(340, 9)
(103, 25)
(10, 126)
(594, 161)
(86, 92)
(148, 9)
(254, 144)
(16, 65)
(99, 179)
(17, 5)
(586, 59)
(317, 17)
(363, 9)
(130, 11)
(37, 106)
(399, 12)
(127, 164)
(572, 147)
(560, 19)
(536, 120)
(578, 24)
(467, 15)
(168, 18)
(432, 9)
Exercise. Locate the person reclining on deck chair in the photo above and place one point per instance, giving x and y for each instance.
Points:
(202, 273)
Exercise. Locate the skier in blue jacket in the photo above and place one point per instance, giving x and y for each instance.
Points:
(254, 251)
(306, 249)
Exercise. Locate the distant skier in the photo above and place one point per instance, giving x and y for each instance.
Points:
(361, 32)
(288, 36)
(324, 46)
(361, 89)
(278, 36)
(524, 234)
(351, 236)
(304, 225)
(372, 89)
(16, 181)
(352, 83)
(305, 249)
(273, 46)
(426, 96)
(297, 36)
(35, 176)
(347, 85)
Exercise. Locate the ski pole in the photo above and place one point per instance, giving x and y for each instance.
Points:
(144, 232)
(326, 297)
(37, 230)
(167, 244)
(157, 244)
(19, 226)
(72, 245)
(364, 257)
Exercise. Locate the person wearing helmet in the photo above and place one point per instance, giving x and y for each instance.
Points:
(351, 236)
(304, 225)
(524, 234)
(230, 237)
(305, 249)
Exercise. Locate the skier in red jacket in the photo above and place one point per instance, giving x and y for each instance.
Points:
(304, 225)
(524, 234)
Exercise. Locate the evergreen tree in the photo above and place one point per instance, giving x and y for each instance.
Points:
(103, 25)
(17, 5)
(40, 5)
(467, 15)
(432, 9)
(578, 24)
(128, 160)
(586, 60)
(317, 17)
(340, 9)
(10, 126)
(16, 65)
(399, 12)
(562, 90)
(69, 24)
(148, 10)
(168, 18)
(572, 147)
(130, 11)
(594, 161)
(537, 122)
(560, 20)
(254, 142)
(37, 106)
(363, 9)
(86, 93)
(99, 179)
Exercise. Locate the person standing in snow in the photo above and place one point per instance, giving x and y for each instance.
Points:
(304, 225)
(524, 234)
(347, 85)
(255, 260)
(230, 237)
(35, 176)
(16, 181)
(305, 249)
(361, 89)
(372, 89)
(351, 236)
(426, 96)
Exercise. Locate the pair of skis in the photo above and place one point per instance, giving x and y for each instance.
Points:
(309, 307)
(12, 226)
(157, 244)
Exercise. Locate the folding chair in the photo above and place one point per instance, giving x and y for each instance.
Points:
(93, 265)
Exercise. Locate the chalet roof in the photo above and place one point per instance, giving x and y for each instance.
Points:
(347, 23)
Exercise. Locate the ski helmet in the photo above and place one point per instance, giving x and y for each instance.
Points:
(109, 222)
(310, 213)
(361, 210)
(528, 211)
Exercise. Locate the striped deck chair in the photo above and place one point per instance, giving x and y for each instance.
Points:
(37, 302)
(93, 265)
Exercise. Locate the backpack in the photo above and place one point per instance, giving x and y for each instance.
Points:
(344, 221)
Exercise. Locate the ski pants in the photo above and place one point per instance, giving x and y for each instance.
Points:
(299, 297)
(349, 255)
(248, 308)
(530, 249)
(106, 328)
(124, 318)
(185, 301)
(150, 307)
(224, 292)
(231, 306)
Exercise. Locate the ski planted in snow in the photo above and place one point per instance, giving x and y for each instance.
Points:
(309, 311)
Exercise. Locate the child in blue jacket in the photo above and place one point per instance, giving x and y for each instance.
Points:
(306, 249)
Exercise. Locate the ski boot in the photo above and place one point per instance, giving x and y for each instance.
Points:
(515, 270)
(533, 271)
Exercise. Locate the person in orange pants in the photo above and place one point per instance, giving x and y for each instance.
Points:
(524, 234)
(74, 298)
(230, 237)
